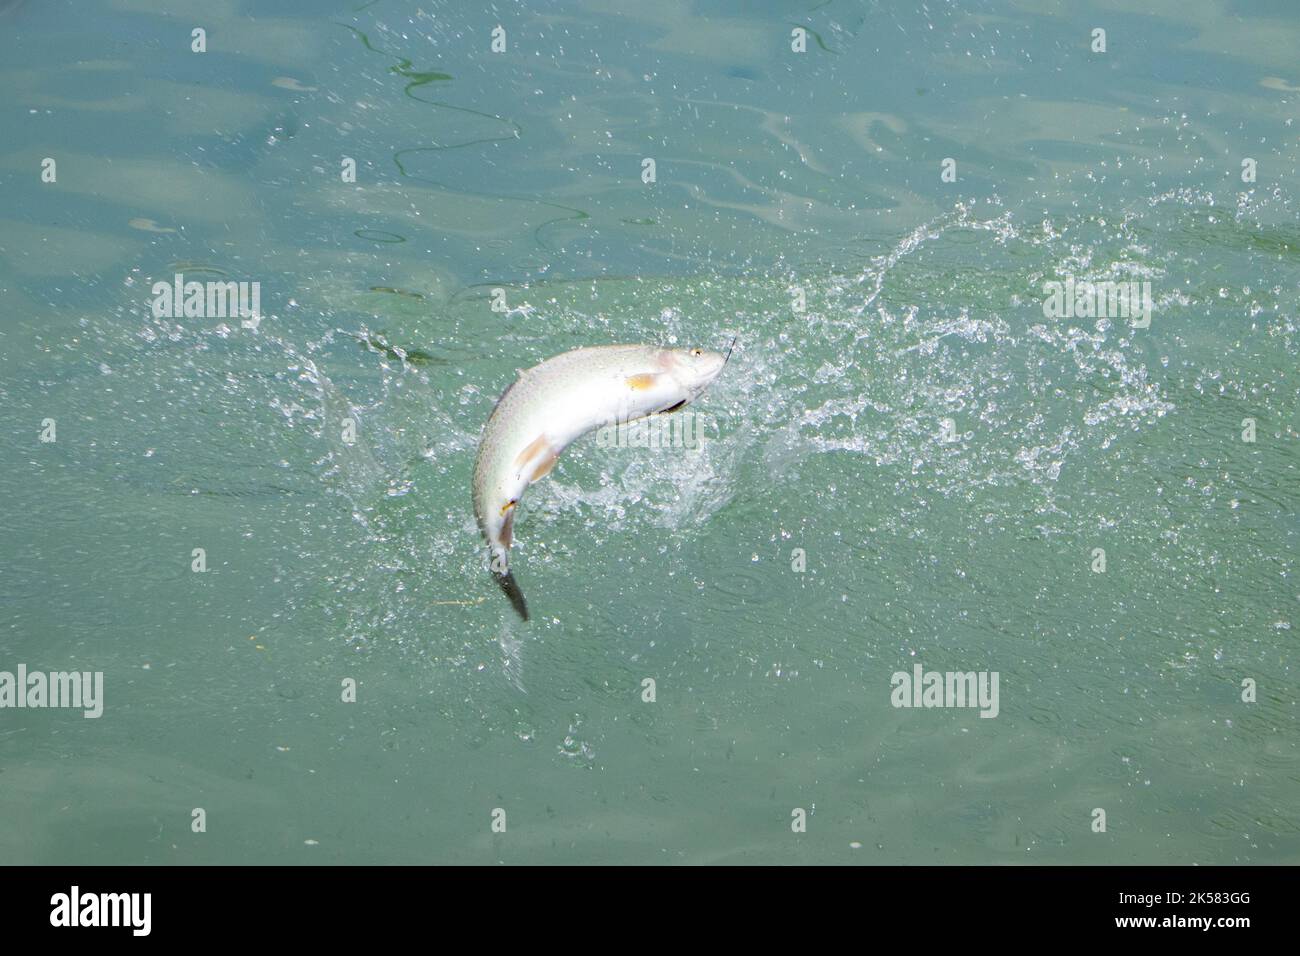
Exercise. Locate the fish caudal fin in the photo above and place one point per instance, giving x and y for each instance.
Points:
(510, 586)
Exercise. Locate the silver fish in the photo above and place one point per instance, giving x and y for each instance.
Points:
(553, 404)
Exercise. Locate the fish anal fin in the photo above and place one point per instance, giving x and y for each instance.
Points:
(508, 526)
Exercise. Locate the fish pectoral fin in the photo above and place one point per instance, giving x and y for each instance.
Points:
(673, 408)
(643, 381)
(538, 458)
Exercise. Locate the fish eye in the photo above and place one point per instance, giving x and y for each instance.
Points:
(697, 352)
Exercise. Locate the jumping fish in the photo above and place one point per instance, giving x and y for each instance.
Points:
(551, 405)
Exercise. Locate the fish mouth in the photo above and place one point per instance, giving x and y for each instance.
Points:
(707, 376)
(711, 377)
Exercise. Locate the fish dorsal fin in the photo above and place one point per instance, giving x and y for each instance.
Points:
(520, 375)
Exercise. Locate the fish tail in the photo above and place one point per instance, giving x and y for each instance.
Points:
(510, 586)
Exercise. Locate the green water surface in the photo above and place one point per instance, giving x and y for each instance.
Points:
(779, 176)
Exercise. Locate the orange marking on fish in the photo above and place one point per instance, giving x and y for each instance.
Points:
(544, 466)
(538, 446)
(639, 383)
